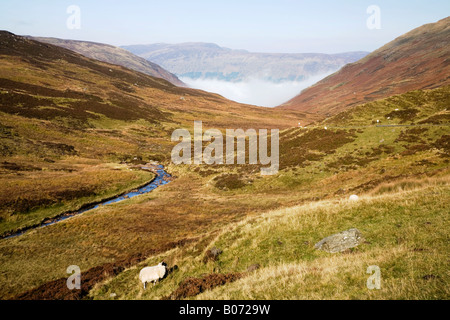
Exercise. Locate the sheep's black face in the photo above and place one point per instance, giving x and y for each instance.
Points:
(164, 264)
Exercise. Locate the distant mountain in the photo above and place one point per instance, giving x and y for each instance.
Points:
(113, 55)
(210, 61)
(417, 60)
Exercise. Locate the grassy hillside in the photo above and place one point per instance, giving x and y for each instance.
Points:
(319, 168)
(420, 107)
(402, 176)
(405, 231)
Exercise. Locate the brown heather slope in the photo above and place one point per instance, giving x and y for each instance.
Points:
(417, 60)
(67, 124)
(32, 72)
(113, 55)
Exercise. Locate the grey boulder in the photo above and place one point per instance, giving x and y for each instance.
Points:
(340, 241)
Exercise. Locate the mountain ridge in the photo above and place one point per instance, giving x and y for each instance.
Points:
(112, 54)
(419, 59)
(198, 60)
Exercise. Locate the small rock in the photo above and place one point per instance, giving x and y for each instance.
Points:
(253, 267)
(341, 241)
(113, 295)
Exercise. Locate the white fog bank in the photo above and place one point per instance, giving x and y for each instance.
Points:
(256, 92)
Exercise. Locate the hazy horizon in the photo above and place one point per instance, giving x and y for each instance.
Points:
(225, 47)
(257, 26)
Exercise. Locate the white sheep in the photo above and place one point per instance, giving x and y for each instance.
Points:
(152, 274)
(354, 197)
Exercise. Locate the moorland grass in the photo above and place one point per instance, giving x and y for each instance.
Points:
(406, 235)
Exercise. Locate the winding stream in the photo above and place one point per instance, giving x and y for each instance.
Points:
(162, 178)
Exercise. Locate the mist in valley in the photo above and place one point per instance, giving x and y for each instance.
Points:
(253, 91)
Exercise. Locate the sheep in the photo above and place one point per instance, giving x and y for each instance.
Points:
(354, 197)
(152, 274)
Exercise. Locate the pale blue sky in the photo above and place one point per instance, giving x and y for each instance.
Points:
(256, 25)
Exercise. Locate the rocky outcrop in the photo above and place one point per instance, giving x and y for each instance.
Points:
(341, 241)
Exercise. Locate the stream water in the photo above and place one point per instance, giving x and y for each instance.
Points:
(162, 178)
